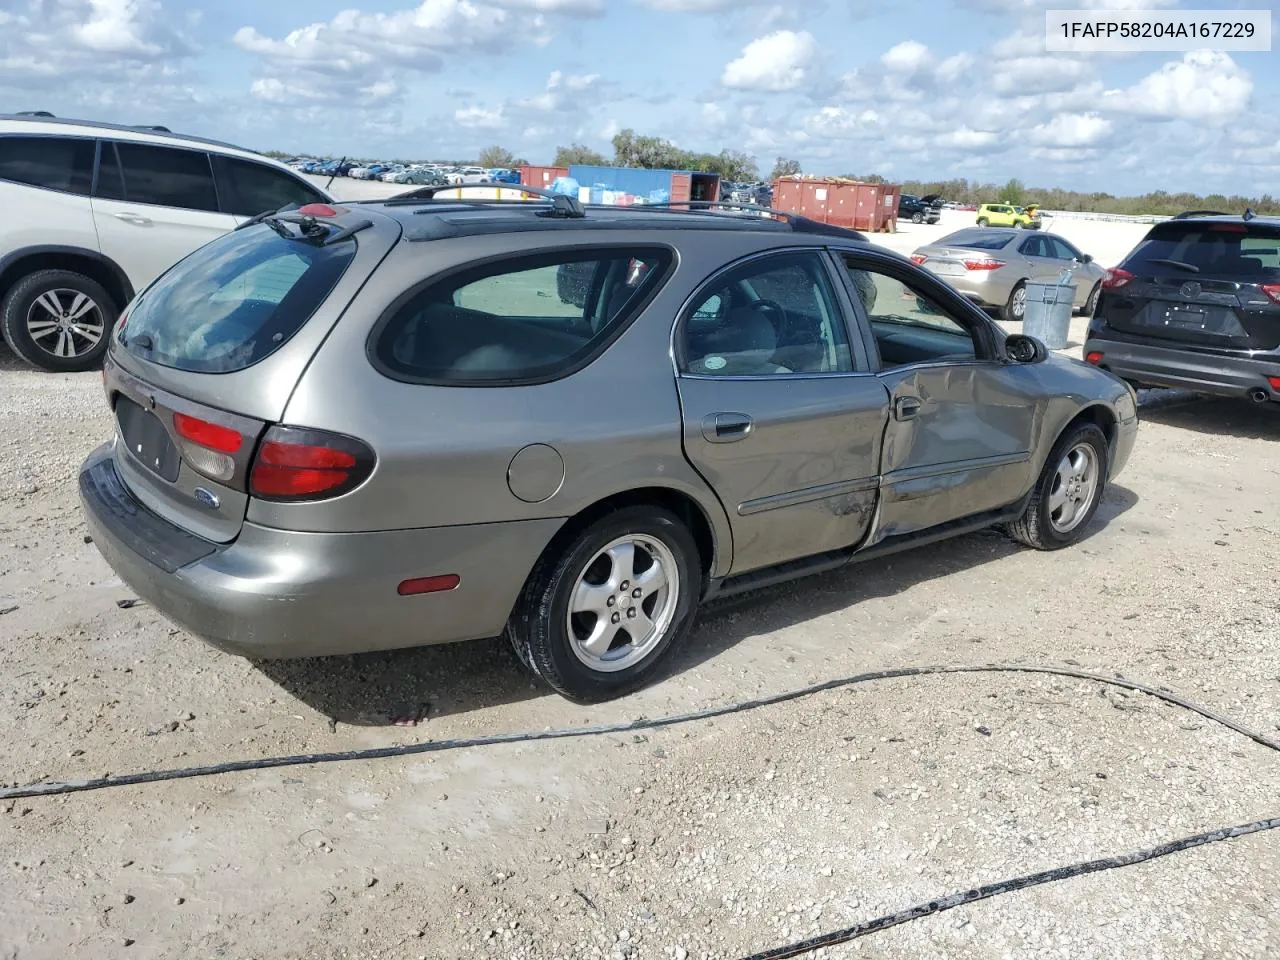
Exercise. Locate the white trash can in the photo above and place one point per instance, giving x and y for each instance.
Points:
(1048, 313)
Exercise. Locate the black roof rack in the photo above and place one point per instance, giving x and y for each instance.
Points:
(797, 222)
(46, 117)
(562, 205)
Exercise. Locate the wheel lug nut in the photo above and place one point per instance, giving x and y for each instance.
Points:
(611, 601)
(636, 593)
(632, 613)
(615, 618)
(625, 585)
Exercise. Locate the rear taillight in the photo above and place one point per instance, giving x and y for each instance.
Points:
(1272, 290)
(1275, 382)
(984, 264)
(1228, 228)
(294, 463)
(210, 448)
(1093, 356)
(917, 259)
(1116, 278)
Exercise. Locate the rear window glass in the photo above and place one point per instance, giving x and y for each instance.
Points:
(250, 188)
(534, 318)
(234, 301)
(56, 163)
(975, 241)
(1237, 250)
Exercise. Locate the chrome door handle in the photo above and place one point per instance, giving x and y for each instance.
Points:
(905, 408)
(726, 427)
(133, 218)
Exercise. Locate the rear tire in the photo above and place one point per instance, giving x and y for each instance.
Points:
(58, 311)
(1067, 494)
(983, 221)
(1015, 308)
(570, 625)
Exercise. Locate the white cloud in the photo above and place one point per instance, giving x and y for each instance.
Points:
(481, 118)
(1204, 86)
(907, 57)
(776, 62)
(1043, 74)
(967, 138)
(1072, 130)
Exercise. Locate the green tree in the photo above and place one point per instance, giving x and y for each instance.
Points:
(782, 167)
(496, 156)
(577, 153)
(1013, 192)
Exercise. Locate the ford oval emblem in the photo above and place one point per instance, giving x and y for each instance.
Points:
(208, 498)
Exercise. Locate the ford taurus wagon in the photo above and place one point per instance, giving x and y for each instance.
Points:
(415, 421)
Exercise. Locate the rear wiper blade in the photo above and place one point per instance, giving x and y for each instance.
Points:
(276, 224)
(1180, 264)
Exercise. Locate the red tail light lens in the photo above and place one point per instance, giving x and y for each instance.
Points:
(1272, 290)
(1228, 228)
(212, 436)
(209, 448)
(1275, 382)
(984, 264)
(317, 210)
(295, 464)
(1116, 278)
(917, 259)
(1093, 356)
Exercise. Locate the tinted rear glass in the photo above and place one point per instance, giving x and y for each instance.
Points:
(168, 178)
(250, 188)
(234, 301)
(1237, 250)
(975, 241)
(57, 163)
(532, 318)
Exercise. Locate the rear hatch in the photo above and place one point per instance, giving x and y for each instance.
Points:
(1212, 283)
(204, 361)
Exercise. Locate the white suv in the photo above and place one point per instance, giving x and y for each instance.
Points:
(94, 212)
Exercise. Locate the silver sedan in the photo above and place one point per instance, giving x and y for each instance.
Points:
(993, 266)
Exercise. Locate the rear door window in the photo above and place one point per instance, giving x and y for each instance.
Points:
(55, 163)
(247, 188)
(234, 301)
(525, 320)
(167, 177)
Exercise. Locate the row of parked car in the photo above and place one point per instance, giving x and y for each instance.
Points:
(419, 174)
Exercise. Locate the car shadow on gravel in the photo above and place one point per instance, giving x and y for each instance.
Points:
(379, 689)
(728, 622)
(1219, 417)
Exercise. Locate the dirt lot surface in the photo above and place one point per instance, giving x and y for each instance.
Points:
(712, 839)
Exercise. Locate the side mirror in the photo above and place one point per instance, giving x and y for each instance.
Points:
(1024, 349)
(1087, 258)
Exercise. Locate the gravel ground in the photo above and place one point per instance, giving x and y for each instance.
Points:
(710, 840)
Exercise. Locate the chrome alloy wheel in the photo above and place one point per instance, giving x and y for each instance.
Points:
(1075, 486)
(65, 323)
(623, 603)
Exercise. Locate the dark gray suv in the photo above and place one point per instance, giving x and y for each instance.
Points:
(416, 421)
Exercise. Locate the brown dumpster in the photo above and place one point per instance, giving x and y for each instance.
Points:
(870, 207)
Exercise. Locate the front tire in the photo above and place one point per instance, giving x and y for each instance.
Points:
(1091, 304)
(917, 218)
(601, 612)
(58, 320)
(1068, 492)
(1015, 308)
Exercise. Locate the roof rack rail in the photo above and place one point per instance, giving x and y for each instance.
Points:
(1189, 214)
(562, 205)
(798, 222)
(33, 113)
(151, 126)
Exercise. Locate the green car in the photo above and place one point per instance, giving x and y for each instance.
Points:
(1007, 215)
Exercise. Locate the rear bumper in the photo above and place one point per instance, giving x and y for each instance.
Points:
(1210, 373)
(278, 594)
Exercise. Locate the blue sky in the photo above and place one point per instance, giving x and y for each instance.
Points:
(904, 88)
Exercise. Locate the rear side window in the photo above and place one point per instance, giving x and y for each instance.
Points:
(55, 163)
(248, 188)
(530, 319)
(234, 301)
(1237, 250)
(166, 177)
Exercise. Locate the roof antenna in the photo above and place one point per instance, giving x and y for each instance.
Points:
(1249, 214)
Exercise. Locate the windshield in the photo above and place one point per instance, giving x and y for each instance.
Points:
(235, 301)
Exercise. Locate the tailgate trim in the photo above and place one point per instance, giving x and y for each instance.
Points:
(137, 528)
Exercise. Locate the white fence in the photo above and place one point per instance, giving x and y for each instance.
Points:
(1106, 217)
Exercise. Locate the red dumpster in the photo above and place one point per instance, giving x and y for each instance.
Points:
(871, 207)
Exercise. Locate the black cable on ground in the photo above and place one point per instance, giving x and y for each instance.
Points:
(1010, 886)
(53, 788)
